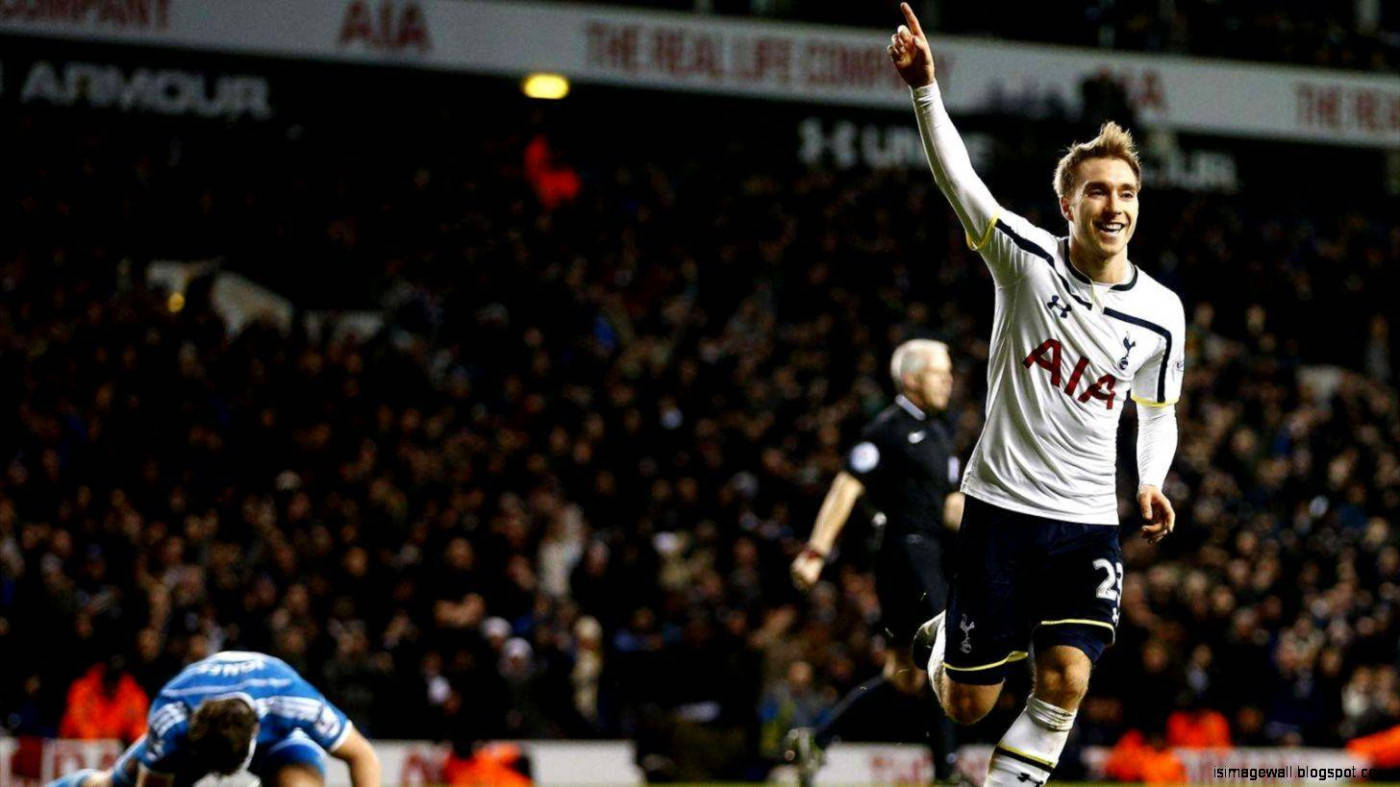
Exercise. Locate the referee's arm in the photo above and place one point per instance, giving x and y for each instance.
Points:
(953, 510)
(835, 510)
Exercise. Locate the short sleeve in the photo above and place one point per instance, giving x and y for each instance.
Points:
(330, 728)
(1011, 246)
(166, 729)
(314, 715)
(1158, 381)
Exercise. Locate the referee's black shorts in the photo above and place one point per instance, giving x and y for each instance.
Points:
(1023, 580)
(909, 580)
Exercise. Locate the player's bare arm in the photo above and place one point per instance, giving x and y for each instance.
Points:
(359, 755)
(835, 510)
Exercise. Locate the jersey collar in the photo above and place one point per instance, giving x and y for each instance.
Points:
(909, 407)
(1078, 274)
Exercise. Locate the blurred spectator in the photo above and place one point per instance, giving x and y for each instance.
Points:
(486, 765)
(1143, 760)
(105, 703)
(1198, 728)
(792, 703)
(587, 670)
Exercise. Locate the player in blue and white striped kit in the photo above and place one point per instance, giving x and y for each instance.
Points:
(233, 711)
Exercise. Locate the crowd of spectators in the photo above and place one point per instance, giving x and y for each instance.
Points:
(1357, 35)
(557, 494)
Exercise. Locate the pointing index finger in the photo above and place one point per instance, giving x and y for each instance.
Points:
(911, 19)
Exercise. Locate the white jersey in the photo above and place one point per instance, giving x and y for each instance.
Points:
(1066, 355)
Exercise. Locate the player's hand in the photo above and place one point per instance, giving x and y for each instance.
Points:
(1157, 513)
(806, 568)
(909, 50)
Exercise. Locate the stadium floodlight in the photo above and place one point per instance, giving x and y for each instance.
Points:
(546, 86)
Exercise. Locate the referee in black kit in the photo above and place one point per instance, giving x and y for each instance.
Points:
(905, 466)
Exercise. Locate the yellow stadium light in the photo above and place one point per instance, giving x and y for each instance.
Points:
(549, 86)
(176, 301)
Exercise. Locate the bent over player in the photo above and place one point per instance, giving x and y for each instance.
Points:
(233, 711)
(1078, 331)
(905, 466)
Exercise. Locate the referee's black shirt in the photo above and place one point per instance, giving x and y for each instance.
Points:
(905, 461)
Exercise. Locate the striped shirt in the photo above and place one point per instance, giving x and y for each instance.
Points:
(286, 705)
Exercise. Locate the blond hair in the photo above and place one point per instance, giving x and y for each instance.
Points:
(1113, 141)
(913, 356)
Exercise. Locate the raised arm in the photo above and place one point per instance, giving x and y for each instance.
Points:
(947, 156)
(835, 510)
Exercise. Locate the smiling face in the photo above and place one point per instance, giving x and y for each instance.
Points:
(1102, 208)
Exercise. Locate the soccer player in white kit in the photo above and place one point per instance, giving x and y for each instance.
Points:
(1078, 331)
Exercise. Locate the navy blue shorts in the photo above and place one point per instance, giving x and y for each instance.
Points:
(1024, 580)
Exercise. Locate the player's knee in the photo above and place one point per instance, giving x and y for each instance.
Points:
(1063, 681)
(968, 704)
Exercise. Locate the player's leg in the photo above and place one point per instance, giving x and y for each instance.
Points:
(961, 695)
(966, 649)
(1077, 618)
(1062, 674)
(1030, 750)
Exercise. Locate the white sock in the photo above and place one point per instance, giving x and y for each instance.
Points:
(935, 658)
(1030, 750)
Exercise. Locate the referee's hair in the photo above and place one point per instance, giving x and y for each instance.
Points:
(912, 356)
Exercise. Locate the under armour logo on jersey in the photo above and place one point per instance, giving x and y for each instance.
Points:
(917, 437)
(967, 626)
(1054, 303)
(1127, 348)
